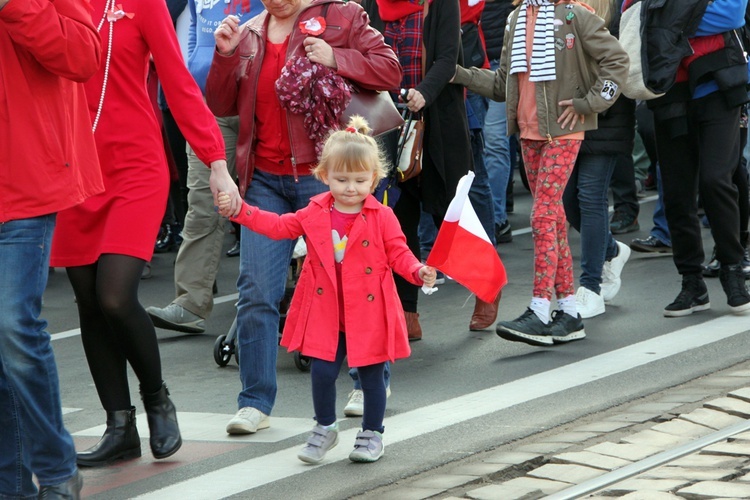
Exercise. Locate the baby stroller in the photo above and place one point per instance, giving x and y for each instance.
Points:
(224, 346)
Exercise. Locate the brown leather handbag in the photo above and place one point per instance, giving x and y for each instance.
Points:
(376, 107)
(410, 147)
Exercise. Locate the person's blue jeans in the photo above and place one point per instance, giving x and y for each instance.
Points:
(497, 153)
(660, 231)
(33, 439)
(427, 232)
(585, 201)
(263, 270)
(481, 193)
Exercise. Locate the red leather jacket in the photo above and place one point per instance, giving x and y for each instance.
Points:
(48, 159)
(360, 52)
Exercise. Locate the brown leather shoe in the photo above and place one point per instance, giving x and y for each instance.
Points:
(412, 326)
(485, 314)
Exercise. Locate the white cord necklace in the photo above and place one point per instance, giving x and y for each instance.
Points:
(108, 6)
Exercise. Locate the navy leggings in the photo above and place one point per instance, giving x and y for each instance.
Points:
(324, 375)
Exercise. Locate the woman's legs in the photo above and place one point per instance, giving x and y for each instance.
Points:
(115, 328)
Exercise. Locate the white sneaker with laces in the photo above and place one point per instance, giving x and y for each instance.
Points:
(356, 405)
(589, 303)
(248, 421)
(611, 272)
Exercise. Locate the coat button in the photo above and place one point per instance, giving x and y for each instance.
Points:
(370, 297)
(320, 291)
(365, 243)
(368, 270)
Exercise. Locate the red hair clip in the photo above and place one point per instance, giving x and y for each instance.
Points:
(351, 129)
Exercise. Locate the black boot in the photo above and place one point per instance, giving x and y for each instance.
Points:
(119, 442)
(165, 437)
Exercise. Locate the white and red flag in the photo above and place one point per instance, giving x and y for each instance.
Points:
(463, 251)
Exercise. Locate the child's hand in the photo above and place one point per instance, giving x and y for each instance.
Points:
(225, 204)
(428, 275)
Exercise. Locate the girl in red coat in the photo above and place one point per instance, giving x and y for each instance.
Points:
(345, 303)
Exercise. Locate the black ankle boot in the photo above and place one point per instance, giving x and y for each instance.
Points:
(119, 442)
(165, 437)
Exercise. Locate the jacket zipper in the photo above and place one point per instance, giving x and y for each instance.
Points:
(546, 107)
(262, 52)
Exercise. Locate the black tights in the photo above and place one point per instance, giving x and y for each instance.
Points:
(115, 329)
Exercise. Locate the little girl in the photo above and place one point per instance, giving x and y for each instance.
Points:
(559, 67)
(345, 302)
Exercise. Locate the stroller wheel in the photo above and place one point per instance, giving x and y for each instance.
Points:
(301, 362)
(222, 350)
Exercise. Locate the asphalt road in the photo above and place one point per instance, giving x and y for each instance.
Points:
(460, 392)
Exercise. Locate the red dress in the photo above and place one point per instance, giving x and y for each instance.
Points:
(125, 219)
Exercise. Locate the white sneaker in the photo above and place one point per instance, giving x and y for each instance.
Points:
(248, 421)
(611, 272)
(320, 441)
(368, 447)
(356, 405)
(588, 303)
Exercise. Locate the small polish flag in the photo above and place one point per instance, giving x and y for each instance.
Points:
(463, 251)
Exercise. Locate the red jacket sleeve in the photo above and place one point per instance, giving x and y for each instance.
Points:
(183, 95)
(275, 226)
(59, 35)
(367, 60)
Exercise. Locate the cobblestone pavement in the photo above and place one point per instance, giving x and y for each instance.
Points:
(590, 448)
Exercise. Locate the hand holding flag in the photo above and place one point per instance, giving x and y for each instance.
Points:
(463, 250)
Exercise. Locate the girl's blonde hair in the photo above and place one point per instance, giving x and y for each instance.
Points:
(352, 150)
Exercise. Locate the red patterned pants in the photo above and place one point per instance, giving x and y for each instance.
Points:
(548, 167)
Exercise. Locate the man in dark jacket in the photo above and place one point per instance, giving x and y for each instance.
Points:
(697, 137)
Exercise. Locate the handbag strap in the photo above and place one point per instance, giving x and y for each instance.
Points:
(424, 49)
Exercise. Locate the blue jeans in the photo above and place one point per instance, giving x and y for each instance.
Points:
(660, 231)
(481, 194)
(427, 232)
(263, 270)
(585, 201)
(33, 439)
(497, 153)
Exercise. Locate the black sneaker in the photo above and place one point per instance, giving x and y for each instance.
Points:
(503, 232)
(711, 270)
(746, 264)
(565, 327)
(733, 282)
(622, 223)
(692, 298)
(526, 328)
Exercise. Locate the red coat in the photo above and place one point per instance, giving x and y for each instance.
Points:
(374, 319)
(48, 159)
